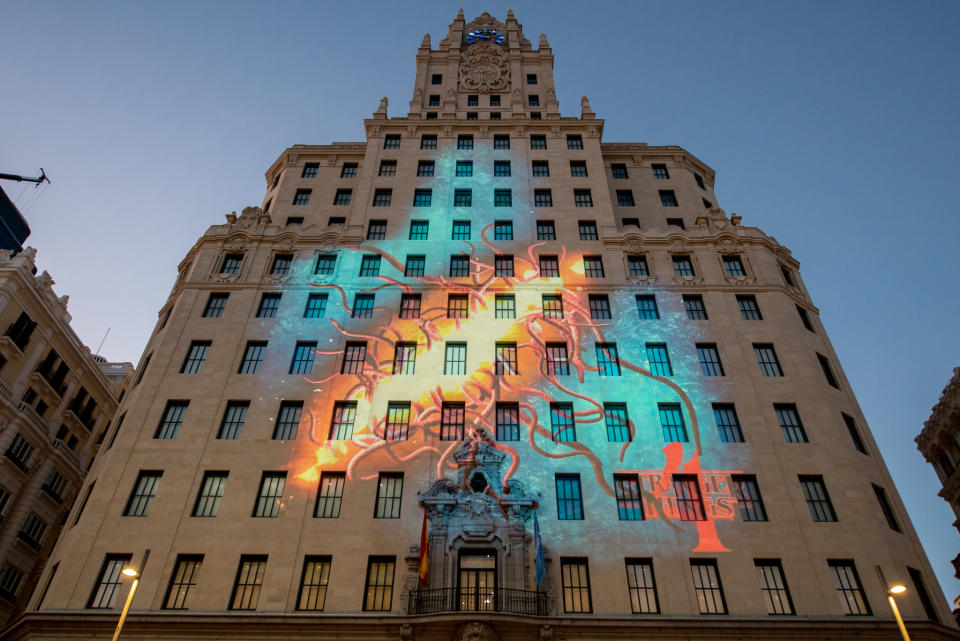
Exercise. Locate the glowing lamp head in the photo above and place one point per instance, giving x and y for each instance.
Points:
(130, 572)
(897, 589)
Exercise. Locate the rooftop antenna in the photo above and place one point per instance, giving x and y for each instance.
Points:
(39, 179)
(103, 341)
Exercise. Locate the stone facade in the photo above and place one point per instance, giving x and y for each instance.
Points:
(483, 315)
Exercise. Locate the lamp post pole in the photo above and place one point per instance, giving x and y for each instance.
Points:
(891, 590)
(137, 574)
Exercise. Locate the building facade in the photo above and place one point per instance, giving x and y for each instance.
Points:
(55, 401)
(481, 317)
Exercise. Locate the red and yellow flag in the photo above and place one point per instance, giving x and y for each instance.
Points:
(424, 550)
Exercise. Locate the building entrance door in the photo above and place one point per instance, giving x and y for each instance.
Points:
(478, 580)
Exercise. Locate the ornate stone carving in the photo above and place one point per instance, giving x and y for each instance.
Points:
(405, 633)
(484, 68)
(546, 633)
(475, 631)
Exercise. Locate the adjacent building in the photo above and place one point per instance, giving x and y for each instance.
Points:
(363, 397)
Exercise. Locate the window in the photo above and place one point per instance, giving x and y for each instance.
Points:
(505, 306)
(377, 230)
(767, 358)
(183, 578)
(787, 276)
(171, 420)
(349, 170)
(410, 306)
(104, 594)
(10, 578)
(270, 496)
(246, 587)
(625, 199)
(436, 79)
(815, 493)
(231, 264)
(302, 362)
(659, 359)
(593, 266)
(558, 364)
(362, 306)
(387, 168)
(354, 355)
(330, 495)
(404, 359)
(706, 584)
(389, 492)
(552, 303)
(425, 168)
(588, 230)
(233, 418)
(538, 142)
(543, 198)
(546, 230)
(211, 493)
(501, 168)
(531, 78)
(733, 266)
(215, 305)
(302, 197)
(398, 421)
(342, 197)
(316, 306)
(694, 307)
(629, 501)
(854, 433)
(325, 264)
(293, 220)
(774, 586)
(508, 422)
(457, 306)
(419, 229)
(569, 499)
(660, 172)
(682, 266)
(728, 425)
(196, 355)
(533, 101)
(499, 141)
(281, 264)
(502, 198)
(671, 421)
(617, 423)
(709, 358)
(370, 266)
(465, 141)
(422, 197)
(575, 579)
(827, 371)
(922, 594)
(463, 198)
(455, 359)
(574, 142)
(461, 229)
(608, 362)
(578, 168)
(503, 267)
(599, 306)
(313, 583)
(32, 531)
(562, 426)
(473, 101)
(668, 198)
(790, 423)
(506, 359)
(582, 198)
(647, 307)
(391, 141)
(886, 508)
(428, 141)
(382, 197)
(379, 584)
(699, 179)
(541, 169)
(748, 497)
(847, 582)
(451, 421)
(269, 305)
(676, 222)
(641, 587)
(414, 266)
(464, 168)
(749, 310)
(288, 421)
(55, 487)
(252, 357)
(503, 230)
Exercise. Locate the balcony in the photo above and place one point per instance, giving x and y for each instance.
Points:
(505, 600)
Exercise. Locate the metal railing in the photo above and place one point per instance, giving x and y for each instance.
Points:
(464, 600)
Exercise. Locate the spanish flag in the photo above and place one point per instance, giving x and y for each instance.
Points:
(424, 550)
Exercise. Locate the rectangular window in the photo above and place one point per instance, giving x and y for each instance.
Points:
(382, 197)
(330, 495)
(659, 359)
(246, 587)
(196, 355)
(501, 168)
(546, 230)
(215, 305)
(608, 362)
(349, 170)
(291, 220)
(281, 264)
(499, 141)
(562, 424)
(508, 422)
(506, 359)
(538, 142)
(503, 267)
(569, 498)
(377, 230)
(410, 306)
(362, 306)
(288, 421)
(552, 303)
(391, 141)
(414, 266)
(558, 364)
(505, 306)
(915, 577)
(342, 197)
(233, 418)
(387, 168)
(706, 584)
(302, 197)
(671, 420)
(404, 359)
(389, 494)
(847, 581)
(336, 221)
(428, 141)
(459, 266)
(436, 79)
(641, 587)
(767, 358)
(549, 267)
(660, 172)
(465, 141)
(533, 101)
(370, 265)
(748, 497)
(695, 308)
(313, 583)
(542, 198)
(699, 179)
(682, 266)
(419, 229)
(503, 230)
(728, 425)
(588, 230)
(143, 493)
(398, 421)
(676, 222)
(316, 306)
(425, 168)
(709, 358)
(854, 433)
(379, 584)
(325, 264)
(302, 362)
(774, 586)
(270, 495)
(104, 595)
(749, 310)
(625, 199)
(422, 197)
(462, 198)
(805, 319)
(815, 493)
(183, 578)
(231, 264)
(617, 422)
(211, 493)
(582, 198)
(575, 579)
(790, 423)
(461, 229)
(457, 306)
(171, 420)
(618, 171)
(464, 168)
(578, 168)
(451, 421)
(827, 371)
(341, 424)
(455, 359)
(886, 508)
(55, 487)
(733, 266)
(647, 307)
(599, 306)
(668, 198)
(269, 306)
(574, 142)
(629, 501)
(502, 198)
(593, 266)
(541, 168)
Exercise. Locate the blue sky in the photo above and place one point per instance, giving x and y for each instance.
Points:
(832, 126)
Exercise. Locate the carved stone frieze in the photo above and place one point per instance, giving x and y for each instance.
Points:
(688, 281)
(484, 68)
(475, 631)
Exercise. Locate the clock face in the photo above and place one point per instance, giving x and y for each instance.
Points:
(490, 35)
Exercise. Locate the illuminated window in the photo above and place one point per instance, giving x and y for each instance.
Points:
(362, 306)
(542, 198)
(575, 578)
(330, 495)
(642, 587)
(354, 355)
(414, 266)
(313, 583)
(618, 171)
(455, 359)
(316, 306)
(578, 169)
(582, 198)
(503, 267)
(464, 168)
(749, 310)
(462, 198)
(459, 266)
(288, 421)
(508, 422)
(815, 493)
(379, 584)
(558, 363)
(693, 304)
(709, 358)
(501, 168)
(422, 197)
(428, 142)
(506, 358)
(425, 168)
(608, 363)
(668, 198)
(419, 229)
(629, 502)
(104, 594)
(562, 423)
(682, 266)
(689, 503)
(246, 588)
(398, 421)
(552, 305)
(505, 306)
(593, 266)
(569, 498)
(349, 170)
(281, 264)
(144, 491)
(549, 267)
(252, 357)
(231, 264)
(325, 264)
(659, 359)
(302, 197)
(270, 496)
(342, 197)
(461, 230)
(341, 426)
(574, 142)
(617, 422)
(387, 168)
(451, 421)
(748, 497)
(196, 356)
(847, 582)
(169, 425)
(391, 141)
(404, 359)
(389, 495)
(382, 197)
(588, 230)
(706, 584)
(599, 306)
(728, 425)
(499, 141)
(827, 371)
(671, 420)
(302, 362)
(767, 358)
(647, 307)
(183, 578)
(625, 199)
(538, 142)
(410, 306)
(233, 418)
(774, 586)
(377, 230)
(457, 306)
(541, 168)
(502, 198)
(211, 493)
(465, 141)
(215, 305)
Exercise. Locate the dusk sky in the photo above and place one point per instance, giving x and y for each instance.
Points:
(832, 126)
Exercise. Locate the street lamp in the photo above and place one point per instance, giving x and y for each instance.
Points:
(897, 588)
(136, 574)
